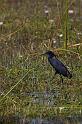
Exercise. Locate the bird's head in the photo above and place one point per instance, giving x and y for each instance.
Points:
(49, 54)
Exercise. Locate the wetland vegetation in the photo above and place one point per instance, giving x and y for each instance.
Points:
(27, 29)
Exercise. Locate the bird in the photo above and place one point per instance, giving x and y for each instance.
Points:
(59, 67)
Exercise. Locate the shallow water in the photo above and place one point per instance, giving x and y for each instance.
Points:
(55, 120)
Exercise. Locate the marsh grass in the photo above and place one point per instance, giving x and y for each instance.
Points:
(27, 85)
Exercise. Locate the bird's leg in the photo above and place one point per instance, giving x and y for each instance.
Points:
(61, 79)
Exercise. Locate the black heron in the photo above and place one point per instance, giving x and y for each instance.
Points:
(59, 67)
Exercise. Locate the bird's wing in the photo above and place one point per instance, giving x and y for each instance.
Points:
(58, 65)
